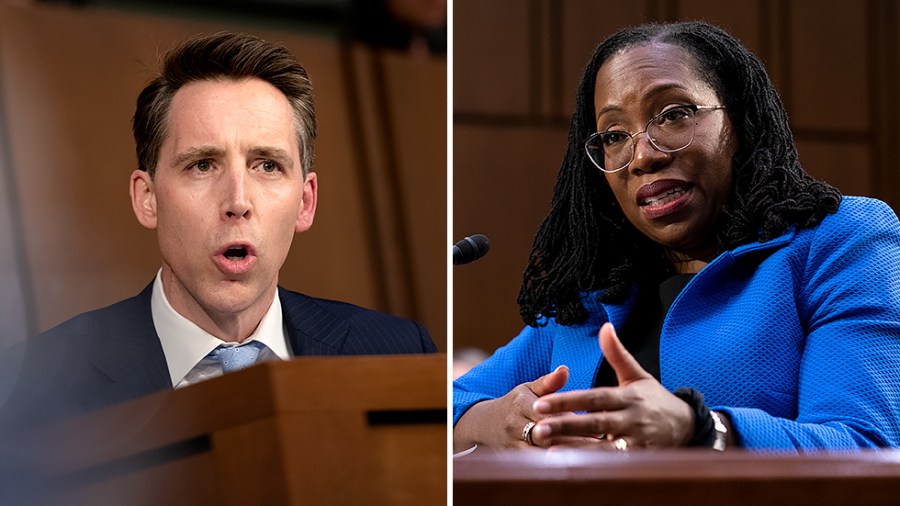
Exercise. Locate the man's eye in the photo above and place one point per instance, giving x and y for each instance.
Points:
(269, 166)
(203, 166)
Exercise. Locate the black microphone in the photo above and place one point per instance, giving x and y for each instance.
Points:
(470, 249)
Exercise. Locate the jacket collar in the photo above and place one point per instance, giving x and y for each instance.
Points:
(312, 329)
(129, 352)
(618, 313)
(758, 246)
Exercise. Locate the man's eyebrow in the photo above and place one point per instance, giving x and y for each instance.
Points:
(277, 154)
(202, 152)
(197, 153)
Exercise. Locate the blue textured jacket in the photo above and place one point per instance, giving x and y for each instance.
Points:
(797, 338)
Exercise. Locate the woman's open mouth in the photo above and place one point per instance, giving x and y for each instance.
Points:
(664, 197)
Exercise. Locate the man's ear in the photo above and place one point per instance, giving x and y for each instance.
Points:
(308, 205)
(143, 198)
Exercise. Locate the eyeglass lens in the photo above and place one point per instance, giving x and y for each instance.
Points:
(669, 131)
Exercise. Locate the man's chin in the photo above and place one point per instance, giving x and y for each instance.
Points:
(235, 298)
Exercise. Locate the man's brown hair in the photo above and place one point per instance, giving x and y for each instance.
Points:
(222, 56)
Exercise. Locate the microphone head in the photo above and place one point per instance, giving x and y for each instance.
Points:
(470, 249)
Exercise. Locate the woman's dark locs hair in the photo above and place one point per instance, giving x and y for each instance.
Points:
(586, 244)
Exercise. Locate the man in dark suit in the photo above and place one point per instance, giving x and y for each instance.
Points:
(225, 141)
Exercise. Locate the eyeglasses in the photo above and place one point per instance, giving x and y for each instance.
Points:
(669, 131)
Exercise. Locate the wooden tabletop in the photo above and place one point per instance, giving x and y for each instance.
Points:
(689, 477)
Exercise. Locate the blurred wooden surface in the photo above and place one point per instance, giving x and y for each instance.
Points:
(677, 478)
(349, 430)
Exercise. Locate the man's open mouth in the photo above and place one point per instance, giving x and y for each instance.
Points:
(236, 253)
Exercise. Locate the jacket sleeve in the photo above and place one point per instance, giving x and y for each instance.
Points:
(849, 375)
(525, 358)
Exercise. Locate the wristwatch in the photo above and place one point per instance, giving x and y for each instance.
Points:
(721, 432)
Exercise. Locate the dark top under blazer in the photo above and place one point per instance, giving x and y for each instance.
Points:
(113, 354)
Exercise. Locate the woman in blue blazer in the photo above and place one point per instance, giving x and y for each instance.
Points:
(692, 285)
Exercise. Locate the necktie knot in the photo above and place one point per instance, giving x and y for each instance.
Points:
(234, 358)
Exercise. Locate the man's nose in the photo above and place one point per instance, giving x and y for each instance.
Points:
(236, 201)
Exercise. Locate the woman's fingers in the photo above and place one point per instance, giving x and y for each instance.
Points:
(595, 399)
(519, 406)
(593, 425)
(549, 383)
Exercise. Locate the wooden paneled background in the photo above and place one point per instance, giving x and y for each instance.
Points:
(69, 242)
(517, 64)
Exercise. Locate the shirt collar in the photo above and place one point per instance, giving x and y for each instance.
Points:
(185, 344)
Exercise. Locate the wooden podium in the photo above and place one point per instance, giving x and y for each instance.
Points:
(311, 431)
(677, 478)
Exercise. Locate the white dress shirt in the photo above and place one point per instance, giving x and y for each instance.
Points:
(186, 345)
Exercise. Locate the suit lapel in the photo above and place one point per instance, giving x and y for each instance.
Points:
(131, 361)
(130, 355)
(311, 329)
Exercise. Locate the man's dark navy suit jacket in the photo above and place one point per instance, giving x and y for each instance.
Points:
(113, 354)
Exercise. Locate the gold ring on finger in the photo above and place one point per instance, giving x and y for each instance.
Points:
(526, 433)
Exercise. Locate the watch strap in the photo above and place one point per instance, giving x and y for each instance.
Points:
(709, 430)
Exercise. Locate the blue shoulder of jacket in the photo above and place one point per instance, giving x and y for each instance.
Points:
(862, 211)
(854, 213)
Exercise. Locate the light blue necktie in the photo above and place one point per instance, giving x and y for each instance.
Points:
(235, 358)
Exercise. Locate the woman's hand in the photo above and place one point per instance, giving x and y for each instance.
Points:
(499, 423)
(639, 411)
